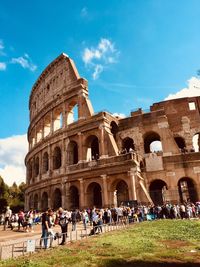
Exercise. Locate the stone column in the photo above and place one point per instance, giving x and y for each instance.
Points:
(80, 147)
(105, 190)
(81, 194)
(64, 114)
(40, 165)
(102, 141)
(133, 178)
(66, 204)
(63, 187)
(39, 201)
(50, 159)
(51, 122)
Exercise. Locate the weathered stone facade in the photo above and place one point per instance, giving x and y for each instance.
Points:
(79, 159)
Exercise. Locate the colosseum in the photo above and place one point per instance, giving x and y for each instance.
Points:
(78, 158)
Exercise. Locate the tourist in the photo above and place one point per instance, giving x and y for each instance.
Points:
(63, 220)
(7, 217)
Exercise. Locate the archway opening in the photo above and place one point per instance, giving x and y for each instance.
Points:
(180, 142)
(94, 195)
(57, 199)
(45, 162)
(47, 125)
(114, 129)
(44, 201)
(74, 197)
(57, 159)
(128, 144)
(73, 153)
(152, 142)
(157, 191)
(36, 166)
(57, 119)
(122, 192)
(187, 190)
(72, 114)
(92, 148)
(196, 142)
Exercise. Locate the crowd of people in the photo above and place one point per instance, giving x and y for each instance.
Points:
(95, 218)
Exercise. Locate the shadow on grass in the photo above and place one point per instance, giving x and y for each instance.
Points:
(124, 263)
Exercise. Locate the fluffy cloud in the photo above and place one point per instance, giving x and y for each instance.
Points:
(2, 66)
(99, 57)
(12, 153)
(193, 89)
(25, 62)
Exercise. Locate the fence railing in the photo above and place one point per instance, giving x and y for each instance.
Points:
(21, 248)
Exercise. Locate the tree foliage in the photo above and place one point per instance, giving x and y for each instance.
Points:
(12, 196)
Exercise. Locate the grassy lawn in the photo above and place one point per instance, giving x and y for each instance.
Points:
(163, 243)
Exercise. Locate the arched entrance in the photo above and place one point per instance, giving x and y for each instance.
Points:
(152, 142)
(57, 199)
(157, 191)
(92, 145)
(72, 153)
(128, 144)
(44, 201)
(121, 192)
(74, 197)
(187, 190)
(94, 195)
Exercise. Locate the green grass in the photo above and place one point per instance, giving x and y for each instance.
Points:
(163, 243)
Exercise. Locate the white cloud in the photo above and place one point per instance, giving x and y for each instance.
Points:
(97, 70)
(120, 115)
(193, 89)
(99, 57)
(2, 66)
(12, 153)
(25, 62)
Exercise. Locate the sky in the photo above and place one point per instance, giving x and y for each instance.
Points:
(133, 53)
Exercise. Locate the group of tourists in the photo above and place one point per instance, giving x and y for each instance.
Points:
(93, 218)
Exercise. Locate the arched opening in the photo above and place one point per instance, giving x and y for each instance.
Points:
(74, 198)
(72, 114)
(157, 191)
(47, 125)
(35, 202)
(122, 192)
(180, 142)
(92, 148)
(57, 119)
(94, 195)
(187, 190)
(45, 162)
(128, 144)
(114, 129)
(39, 134)
(44, 201)
(57, 158)
(152, 142)
(57, 199)
(37, 167)
(196, 142)
(72, 153)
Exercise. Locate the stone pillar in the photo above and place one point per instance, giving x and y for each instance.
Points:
(63, 149)
(50, 159)
(66, 204)
(39, 201)
(81, 199)
(64, 114)
(51, 122)
(133, 178)
(105, 191)
(63, 187)
(40, 165)
(80, 147)
(49, 197)
(102, 142)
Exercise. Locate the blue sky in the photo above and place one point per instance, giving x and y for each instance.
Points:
(133, 53)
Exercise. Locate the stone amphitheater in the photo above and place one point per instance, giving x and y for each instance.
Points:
(78, 158)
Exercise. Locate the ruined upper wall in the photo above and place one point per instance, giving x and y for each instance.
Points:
(57, 79)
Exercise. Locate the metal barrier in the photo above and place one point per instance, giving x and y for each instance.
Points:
(33, 245)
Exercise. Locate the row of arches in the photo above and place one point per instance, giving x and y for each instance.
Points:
(93, 193)
(186, 191)
(53, 122)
